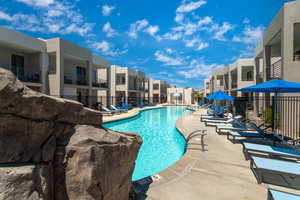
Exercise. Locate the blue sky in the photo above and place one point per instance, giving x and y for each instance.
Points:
(179, 41)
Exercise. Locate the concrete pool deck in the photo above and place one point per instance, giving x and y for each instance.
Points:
(218, 173)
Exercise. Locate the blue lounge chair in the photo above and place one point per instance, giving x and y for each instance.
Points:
(257, 133)
(238, 126)
(279, 195)
(141, 105)
(276, 172)
(151, 104)
(215, 116)
(116, 109)
(126, 106)
(231, 120)
(270, 151)
(106, 111)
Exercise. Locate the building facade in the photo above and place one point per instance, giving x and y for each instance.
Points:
(231, 78)
(126, 85)
(54, 66)
(180, 96)
(156, 91)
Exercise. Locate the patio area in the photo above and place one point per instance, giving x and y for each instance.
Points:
(220, 172)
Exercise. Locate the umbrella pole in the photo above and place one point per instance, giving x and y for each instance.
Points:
(274, 111)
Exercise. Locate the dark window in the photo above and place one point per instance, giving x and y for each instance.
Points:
(155, 86)
(297, 42)
(121, 79)
(81, 75)
(17, 63)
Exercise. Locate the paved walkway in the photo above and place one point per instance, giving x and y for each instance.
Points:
(218, 173)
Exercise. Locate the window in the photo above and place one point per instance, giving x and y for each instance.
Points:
(249, 76)
(94, 76)
(81, 75)
(17, 64)
(296, 42)
(155, 86)
(120, 79)
(247, 73)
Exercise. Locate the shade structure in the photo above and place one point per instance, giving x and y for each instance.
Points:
(209, 96)
(220, 96)
(274, 86)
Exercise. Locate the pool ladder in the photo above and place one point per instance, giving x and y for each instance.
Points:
(196, 134)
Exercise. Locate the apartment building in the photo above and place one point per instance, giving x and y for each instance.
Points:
(127, 85)
(231, 78)
(156, 91)
(180, 96)
(278, 54)
(206, 87)
(54, 66)
(26, 57)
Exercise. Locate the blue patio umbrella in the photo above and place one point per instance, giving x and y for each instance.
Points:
(274, 86)
(221, 96)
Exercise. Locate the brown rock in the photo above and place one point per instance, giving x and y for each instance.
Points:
(26, 182)
(96, 164)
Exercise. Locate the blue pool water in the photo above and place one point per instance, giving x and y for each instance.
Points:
(162, 145)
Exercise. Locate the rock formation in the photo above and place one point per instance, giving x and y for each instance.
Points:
(56, 149)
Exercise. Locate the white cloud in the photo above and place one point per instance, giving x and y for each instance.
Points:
(206, 20)
(4, 16)
(167, 60)
(55, 17)
(169, 50)
(106, 10)
(222, 30)
(251, 35)
(196, 43)
(110, 32)
(199, 69)
(188, 7)
(107, 48)
(152, 30)
(136, 27)
(37, 3)
(179, 17)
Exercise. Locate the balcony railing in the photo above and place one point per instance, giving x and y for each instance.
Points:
(32, 78)
(73, 82)
(296, 57)
(276, 70)
(100, 83)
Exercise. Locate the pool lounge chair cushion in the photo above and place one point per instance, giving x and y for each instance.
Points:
(276, 172)
(225, 121)
(279, 195)
(270, 150)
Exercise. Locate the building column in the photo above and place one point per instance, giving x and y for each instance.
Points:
(60, 71)
(267, 62)
(44, 63)
(90, 74)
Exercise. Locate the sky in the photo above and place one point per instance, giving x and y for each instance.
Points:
(179, 41)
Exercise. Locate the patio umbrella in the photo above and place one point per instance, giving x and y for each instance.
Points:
(221, 96)
(274, 86)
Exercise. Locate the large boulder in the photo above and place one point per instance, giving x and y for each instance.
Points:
(53, 148)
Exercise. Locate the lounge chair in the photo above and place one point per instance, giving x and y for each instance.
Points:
(239, 126)
(141, 105)
(276, 172)
(279, 195)
(126, 106)
(231, 120)
(216, 116)
(116, 109)
(269, 151)
(151, 104)
(107, 111)
(257, 133)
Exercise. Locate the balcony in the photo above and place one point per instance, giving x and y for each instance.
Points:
(31, 78)
(100, 83)
(73, 82)
(296, 57)
(275, 72)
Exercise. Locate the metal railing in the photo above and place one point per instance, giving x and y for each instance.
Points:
(282, 113)
(276, 70)
(100, 83)
(296, 57)
(33, 78)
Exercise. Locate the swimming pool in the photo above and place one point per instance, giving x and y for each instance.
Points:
(163, 145)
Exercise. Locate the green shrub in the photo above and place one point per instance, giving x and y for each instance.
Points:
(267, 117)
